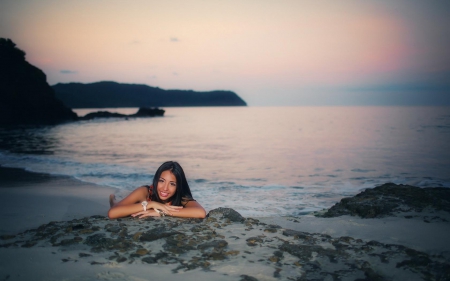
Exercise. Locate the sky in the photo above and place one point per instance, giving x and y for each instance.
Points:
(270, 52)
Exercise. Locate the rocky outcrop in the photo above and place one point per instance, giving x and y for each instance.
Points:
(142, 112)
(108, 94)
(390, 199)
(245, 248)
(25, 96)
(226, 213)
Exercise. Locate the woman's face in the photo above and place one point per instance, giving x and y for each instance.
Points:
(167, 185)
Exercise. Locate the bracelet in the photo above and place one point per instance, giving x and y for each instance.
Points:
(161, 213)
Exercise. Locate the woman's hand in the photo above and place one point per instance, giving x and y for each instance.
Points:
(167, 209)
(143, 214)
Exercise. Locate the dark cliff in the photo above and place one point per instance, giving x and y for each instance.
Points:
(25, 96)
(111, 94)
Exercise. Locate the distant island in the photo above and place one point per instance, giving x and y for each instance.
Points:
(108, 94)
(142, 112)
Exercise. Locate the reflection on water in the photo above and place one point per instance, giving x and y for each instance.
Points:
(293, 158)
(28, 141)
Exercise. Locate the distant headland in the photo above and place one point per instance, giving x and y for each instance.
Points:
(27, 99)
(108, 94)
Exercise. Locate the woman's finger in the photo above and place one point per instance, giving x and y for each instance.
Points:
(170, 210)
(141, 213)
(137, 214)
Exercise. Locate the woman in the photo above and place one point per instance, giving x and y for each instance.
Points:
(169, 195)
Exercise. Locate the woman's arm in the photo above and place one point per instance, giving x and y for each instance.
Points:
(192, 209)
(129, 205)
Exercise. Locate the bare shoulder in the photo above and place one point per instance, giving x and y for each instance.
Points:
(142, 191)
(139, 194)
(192, 204)
(143, 188)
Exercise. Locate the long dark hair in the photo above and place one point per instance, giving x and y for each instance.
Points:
(183, 191)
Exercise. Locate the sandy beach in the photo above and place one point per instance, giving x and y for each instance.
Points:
(54, 228)
(29, 200)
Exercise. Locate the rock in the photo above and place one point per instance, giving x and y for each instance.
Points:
(216, 244)
(101, 243)
(389, 198)
(142, 252)
(148, 112)
(142, 112)
(248, 278)
(112, 228)
(98, 217)
(6, 237)
(272, 228)
(157, 233)
(310, 252)
(254, 241)
(102, 114)
(25, 96)
(178, 244)
(67, 242)
(304, 236)
(29, 244)
(155, 258)
(149, 260)
(226, 213)
(284, 254)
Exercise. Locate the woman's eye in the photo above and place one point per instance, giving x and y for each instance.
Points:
(173, 184)
(161, 180)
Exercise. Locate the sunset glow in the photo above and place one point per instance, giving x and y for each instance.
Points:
(269, 52)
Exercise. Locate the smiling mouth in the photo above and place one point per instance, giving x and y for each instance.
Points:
(163, 194)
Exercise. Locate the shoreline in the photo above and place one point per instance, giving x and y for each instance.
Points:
(30, 199)
(55, 228)
(431, 238)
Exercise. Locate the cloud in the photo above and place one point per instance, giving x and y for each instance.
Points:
(65, 71)
(174, 39)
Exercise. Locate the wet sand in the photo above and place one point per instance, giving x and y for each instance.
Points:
(29, 200)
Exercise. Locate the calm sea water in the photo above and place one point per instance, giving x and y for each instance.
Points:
(261, 161)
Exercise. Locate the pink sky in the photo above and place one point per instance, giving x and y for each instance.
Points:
(269, 52)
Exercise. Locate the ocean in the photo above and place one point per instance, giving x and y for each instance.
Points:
(260, 161)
